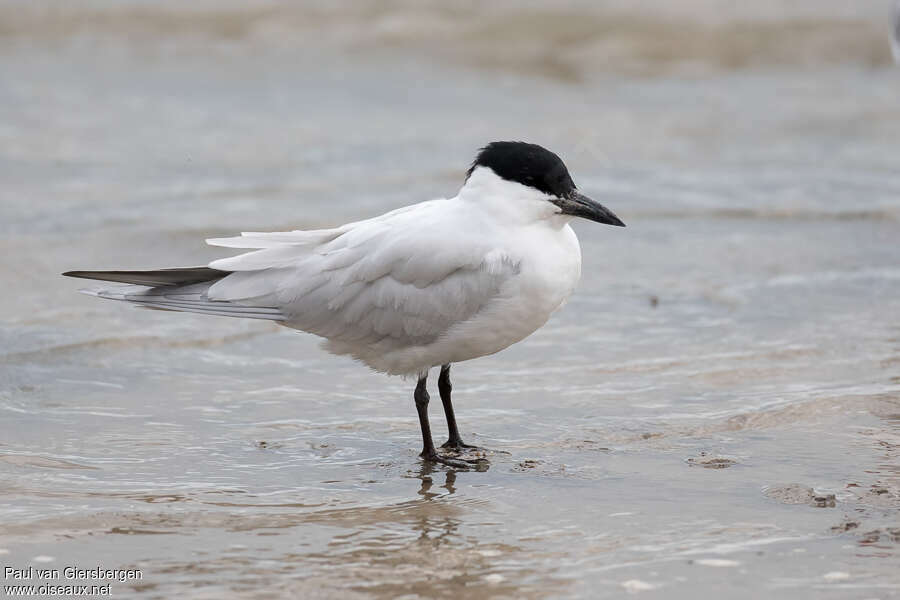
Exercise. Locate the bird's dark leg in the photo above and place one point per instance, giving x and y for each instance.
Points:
(428, 451)
(454, 442)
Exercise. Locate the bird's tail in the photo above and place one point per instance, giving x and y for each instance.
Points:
(181, 289)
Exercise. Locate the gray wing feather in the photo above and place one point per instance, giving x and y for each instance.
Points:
(190, 298)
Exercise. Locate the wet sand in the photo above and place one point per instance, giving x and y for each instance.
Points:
(716, 411)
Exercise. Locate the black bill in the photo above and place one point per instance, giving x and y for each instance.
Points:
(579, 205)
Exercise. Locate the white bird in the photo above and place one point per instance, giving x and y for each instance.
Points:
(423, 286)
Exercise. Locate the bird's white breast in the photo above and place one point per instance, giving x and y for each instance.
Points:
(549, 269)
(528, 233)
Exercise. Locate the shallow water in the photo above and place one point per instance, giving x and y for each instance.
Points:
(716, 410)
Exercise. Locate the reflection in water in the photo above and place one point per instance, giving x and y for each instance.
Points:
(436, 532)
(425, 474)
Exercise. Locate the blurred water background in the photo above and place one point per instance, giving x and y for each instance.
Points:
(716, 410)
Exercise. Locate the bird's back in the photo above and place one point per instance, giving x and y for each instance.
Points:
(395, 283)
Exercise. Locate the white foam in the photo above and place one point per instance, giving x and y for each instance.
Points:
(717, 562)
(633, 586)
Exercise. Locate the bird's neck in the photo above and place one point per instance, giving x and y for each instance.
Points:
(509, 202)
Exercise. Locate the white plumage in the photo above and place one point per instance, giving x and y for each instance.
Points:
(425, 285)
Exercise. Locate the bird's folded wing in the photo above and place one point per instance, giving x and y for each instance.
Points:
(298, 237)
(396, 281)
(185, 298)
(254, 239)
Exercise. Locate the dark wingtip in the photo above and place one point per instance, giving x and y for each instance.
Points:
(159, 277)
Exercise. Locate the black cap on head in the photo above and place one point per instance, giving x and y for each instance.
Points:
(537, 167)
(528, 164)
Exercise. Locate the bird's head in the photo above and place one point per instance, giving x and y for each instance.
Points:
(542, 171)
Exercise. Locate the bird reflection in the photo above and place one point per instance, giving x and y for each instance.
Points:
(434, 525)
(425, 475)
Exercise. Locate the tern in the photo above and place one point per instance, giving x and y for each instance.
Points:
(420, 287)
